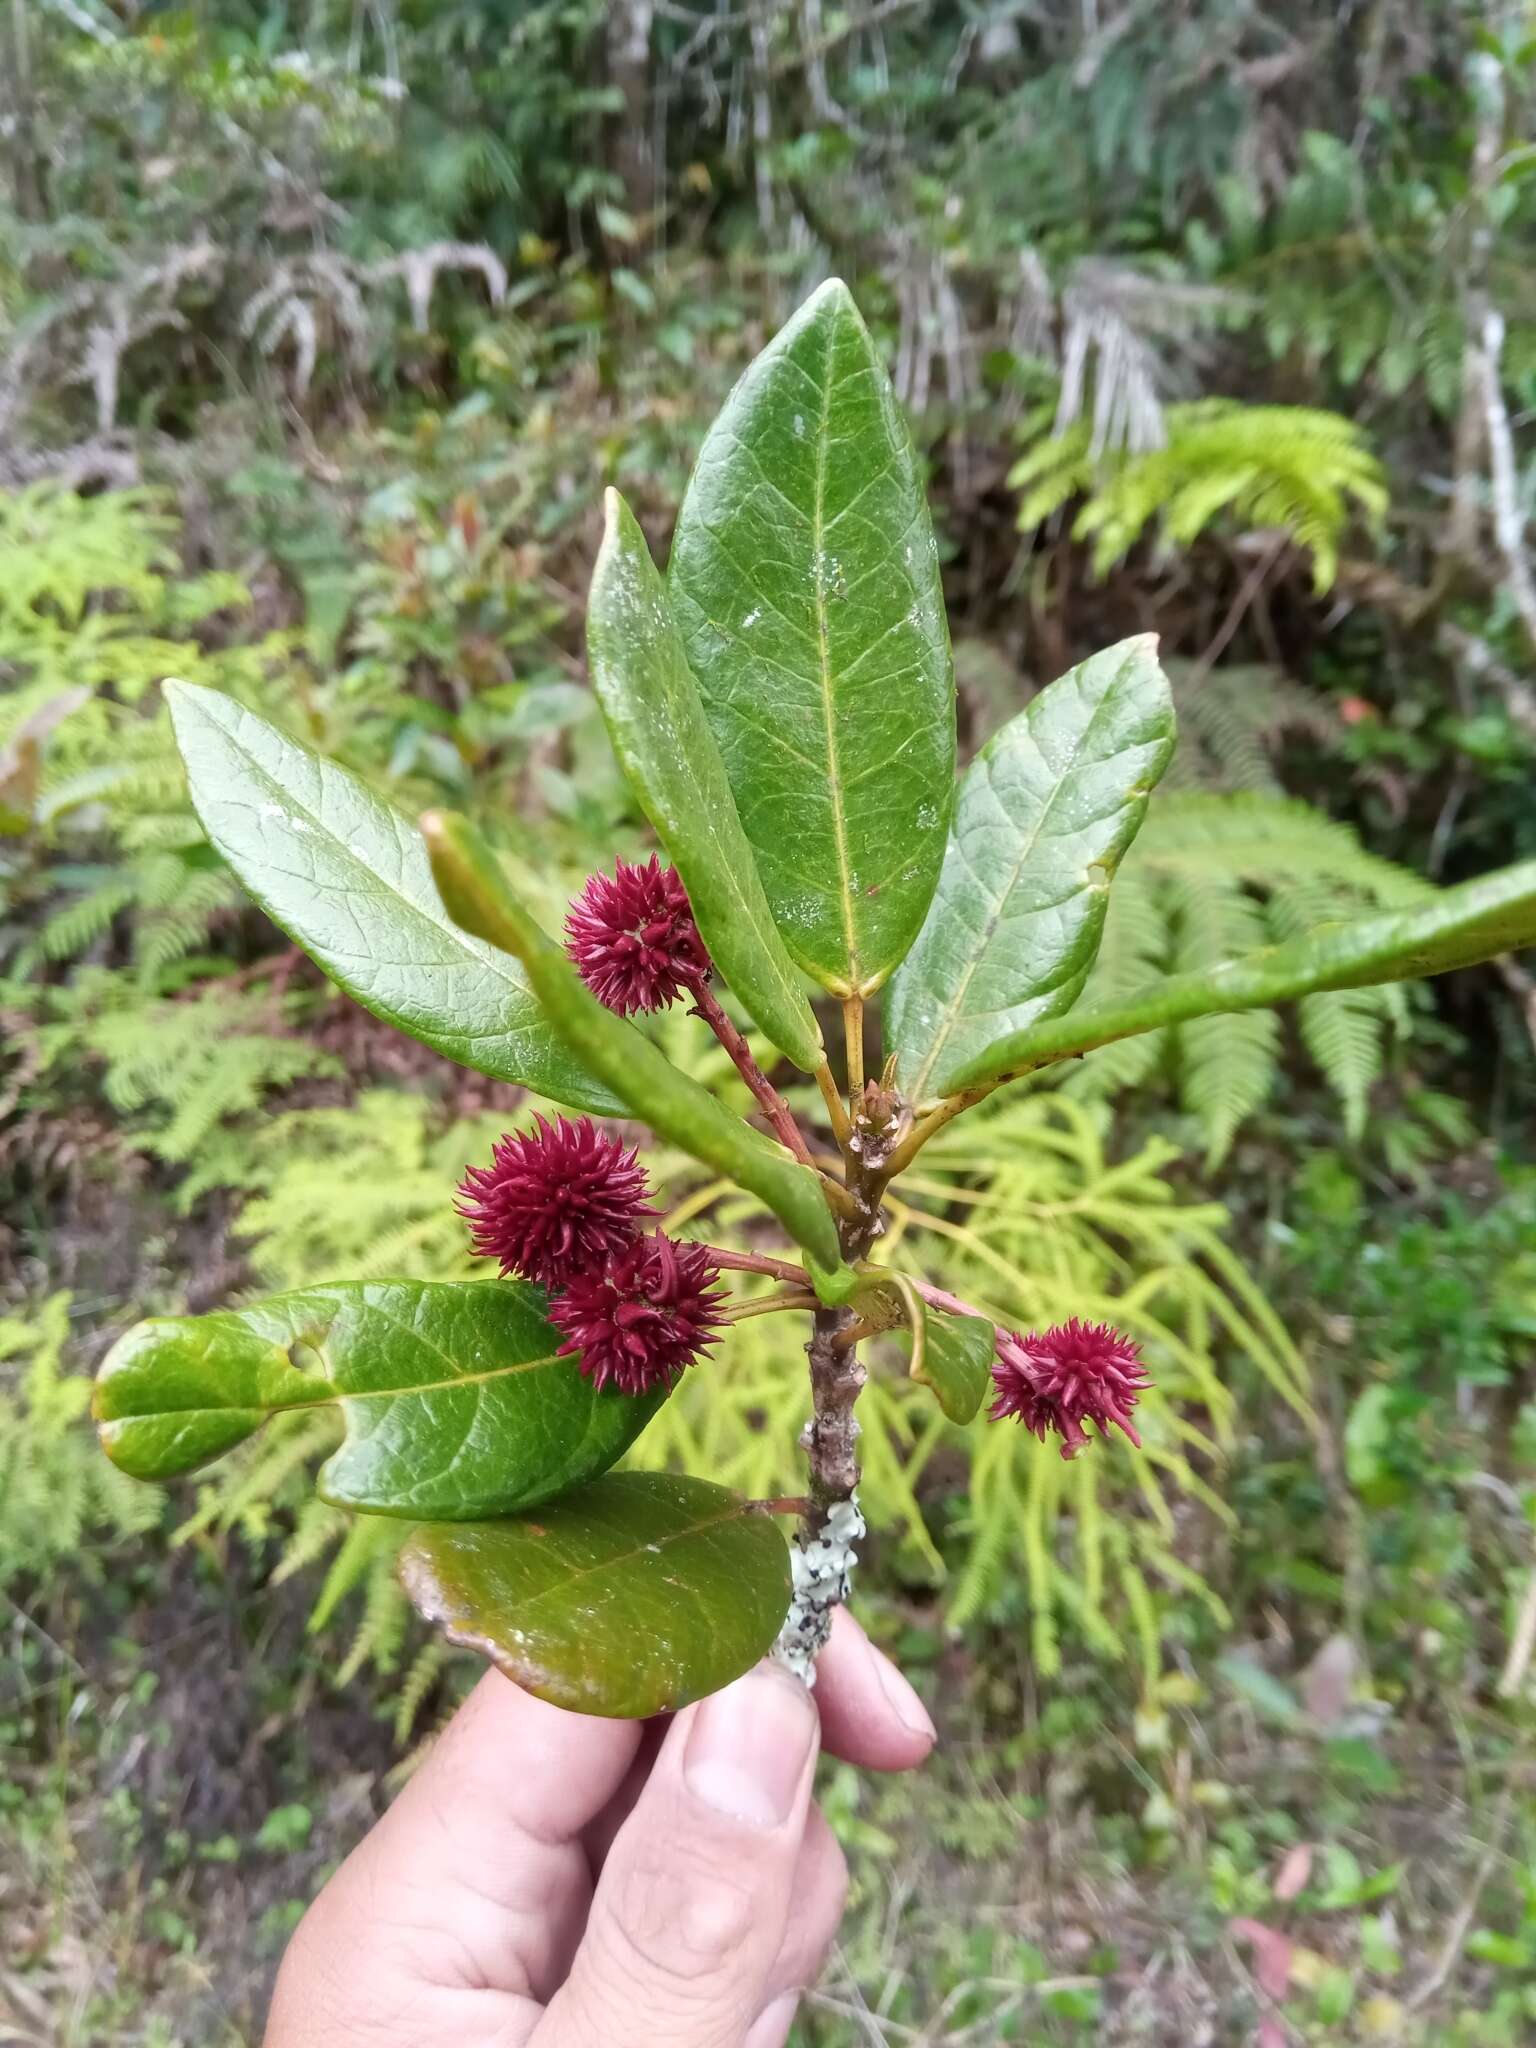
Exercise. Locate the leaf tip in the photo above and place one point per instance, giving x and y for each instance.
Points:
(830, 300)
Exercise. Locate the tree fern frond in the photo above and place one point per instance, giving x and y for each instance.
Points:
(1232, 721)
(1213, 875)
(1226, 1065)
(1289, 467)
(387, 1613)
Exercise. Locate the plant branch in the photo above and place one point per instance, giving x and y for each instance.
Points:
(940, 1297)
(824, 1551)
(758, 1262)
(774, 1107)
(770, 1304)
(928, 1126)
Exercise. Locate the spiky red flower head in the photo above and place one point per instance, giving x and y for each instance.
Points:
(1061, 1377)
(645, 1317)
(555, 1201)
(633, 938)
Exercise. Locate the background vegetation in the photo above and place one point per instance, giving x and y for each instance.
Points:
(321, 329)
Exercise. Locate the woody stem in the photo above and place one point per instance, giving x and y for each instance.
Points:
(831, 1524)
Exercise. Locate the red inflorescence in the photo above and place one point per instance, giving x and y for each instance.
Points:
(639, 1321)
(1059, 1378)
(633, 938)
(556, 1201)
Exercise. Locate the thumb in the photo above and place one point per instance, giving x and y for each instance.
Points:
(693, 1903)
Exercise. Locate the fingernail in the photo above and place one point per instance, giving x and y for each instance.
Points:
(902, 1700)
(748, 1746)
(771, 2028)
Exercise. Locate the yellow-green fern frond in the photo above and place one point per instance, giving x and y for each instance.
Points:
(1293, 468)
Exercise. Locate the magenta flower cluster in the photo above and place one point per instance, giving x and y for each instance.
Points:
(1060, 1378)
(563, 1205)
(633, 938)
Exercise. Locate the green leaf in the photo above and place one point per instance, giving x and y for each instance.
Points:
(657, 725)
(951, 1354)
(453, 1399)
(1454, 928)
(805, 581)
(673, 1104)
(954, 1359)
(1046, 811)
(345, 875)
(629, 1598)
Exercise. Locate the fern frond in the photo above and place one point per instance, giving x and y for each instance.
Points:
(1226, 1064)
(1289, 467)
(1214, 875)
(387, 1613)
(421, 1675)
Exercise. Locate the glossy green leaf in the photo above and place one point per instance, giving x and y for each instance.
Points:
(951, 1354)
(673, 1104)
(656, 721)
(345, 875)
(629, 1597)
(453, 1400)
(1455, 928)
(805, 581)
(1045, 813)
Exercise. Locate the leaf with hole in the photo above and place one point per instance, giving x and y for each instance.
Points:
(672, 1103)
(1045, 813)
(657, 725)
(805, 581)
(452, 1398)
(346, 876)
(630, 1597)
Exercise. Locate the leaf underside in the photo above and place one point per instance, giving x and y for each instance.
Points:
(952, 1356)
(346, 877)
(1045, 814)
(630, 1597)
(804, 578)
(452, 1398)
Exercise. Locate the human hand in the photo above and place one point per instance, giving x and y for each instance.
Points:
(560, 1881)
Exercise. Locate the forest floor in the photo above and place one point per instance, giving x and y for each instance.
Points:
(178, 1775)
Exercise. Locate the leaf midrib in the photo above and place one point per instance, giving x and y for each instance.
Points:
(654, 1547)
(824, 653)
(336, 1397)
